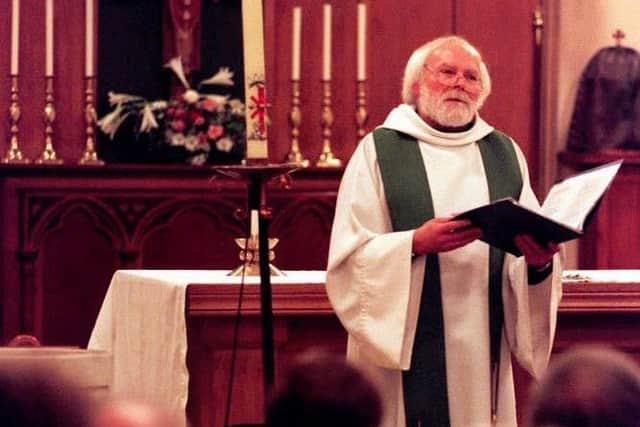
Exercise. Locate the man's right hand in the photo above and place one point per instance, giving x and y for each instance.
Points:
(442, 235)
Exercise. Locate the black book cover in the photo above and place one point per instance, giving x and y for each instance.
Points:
(503, 219)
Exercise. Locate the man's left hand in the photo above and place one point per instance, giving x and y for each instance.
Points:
(536, 254)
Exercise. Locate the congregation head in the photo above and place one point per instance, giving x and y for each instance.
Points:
(323, 389)
(588, 387)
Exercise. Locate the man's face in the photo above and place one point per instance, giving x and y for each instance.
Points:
(450, 90)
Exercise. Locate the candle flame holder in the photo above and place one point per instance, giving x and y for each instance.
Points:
(295, 119)
(327, 159)
(90, 157)
(14, 155)
(49, 155)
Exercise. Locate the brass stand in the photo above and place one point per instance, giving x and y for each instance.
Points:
(327, 158)
(90, 157)
(14, 155)
(256, 177)
(295, 118)
(361, 109)
(250, 257)
(49, 155)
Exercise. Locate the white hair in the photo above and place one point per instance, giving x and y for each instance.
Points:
(414, 70)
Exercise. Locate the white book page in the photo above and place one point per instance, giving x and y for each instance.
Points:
(570, 201)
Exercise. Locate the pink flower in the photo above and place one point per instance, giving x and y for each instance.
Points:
(178, 125)
(196, 118)
(215, 131)
(209, 104)
(180, 113)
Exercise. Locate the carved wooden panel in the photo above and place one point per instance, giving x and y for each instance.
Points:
(67, 234)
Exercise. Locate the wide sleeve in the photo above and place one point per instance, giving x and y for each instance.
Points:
(530, 311)
(370, 269)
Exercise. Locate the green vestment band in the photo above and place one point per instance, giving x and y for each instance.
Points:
(410, 204)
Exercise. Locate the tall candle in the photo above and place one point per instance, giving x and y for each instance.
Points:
(326, 42)
(295, 43)
(253, 226)
(362, 32)
(15, 35)
(254, 80)
(48, 69)
(88, 29)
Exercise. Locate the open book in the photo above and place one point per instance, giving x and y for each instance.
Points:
(563, 216)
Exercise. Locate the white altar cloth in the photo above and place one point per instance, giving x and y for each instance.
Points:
(142, 322)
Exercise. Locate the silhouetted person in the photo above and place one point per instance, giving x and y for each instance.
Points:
(324, 390)
(588, 387)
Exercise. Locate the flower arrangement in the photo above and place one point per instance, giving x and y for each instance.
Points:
(200, 128)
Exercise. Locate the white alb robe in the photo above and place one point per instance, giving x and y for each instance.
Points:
(374, 284)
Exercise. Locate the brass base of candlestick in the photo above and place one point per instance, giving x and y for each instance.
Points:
(295, 119)
(250, 257)
(15, 158)
(49, 156)
(327, 159)
(89, 157)
(14, 155)
(297, 158)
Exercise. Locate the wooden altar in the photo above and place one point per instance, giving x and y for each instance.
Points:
(597, 307)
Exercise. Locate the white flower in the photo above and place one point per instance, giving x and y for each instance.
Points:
(224, 144)
(148, 119)
(110, 123)
(191, 96)
(175, 64)
(237, 107)
(121, 98)
(223, 77)
(191, 143)
(200, 159)
(175, 138)
(158, 105)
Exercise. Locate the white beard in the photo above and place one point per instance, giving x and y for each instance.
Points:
(447, 113)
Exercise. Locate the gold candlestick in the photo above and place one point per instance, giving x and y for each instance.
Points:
(90, 157)
(14, 155)
(250, 257)
(327, 158)
(295, 118)
(361, 109)
(49, 155)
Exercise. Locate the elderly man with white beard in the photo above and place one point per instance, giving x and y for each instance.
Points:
(434, 311)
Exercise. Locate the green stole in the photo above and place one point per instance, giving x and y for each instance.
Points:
(410, 205)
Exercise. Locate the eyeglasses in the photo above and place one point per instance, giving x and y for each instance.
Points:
(448, 75)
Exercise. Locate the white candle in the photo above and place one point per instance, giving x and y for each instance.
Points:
(254, 80)
(88, 29)
(326, 43)
(295, 43)
(254, 223)
(48, 69)
(362, 32)
(15, 35)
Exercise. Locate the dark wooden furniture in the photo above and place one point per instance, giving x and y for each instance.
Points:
(65, 230)
(612, 238)
(602, 311)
